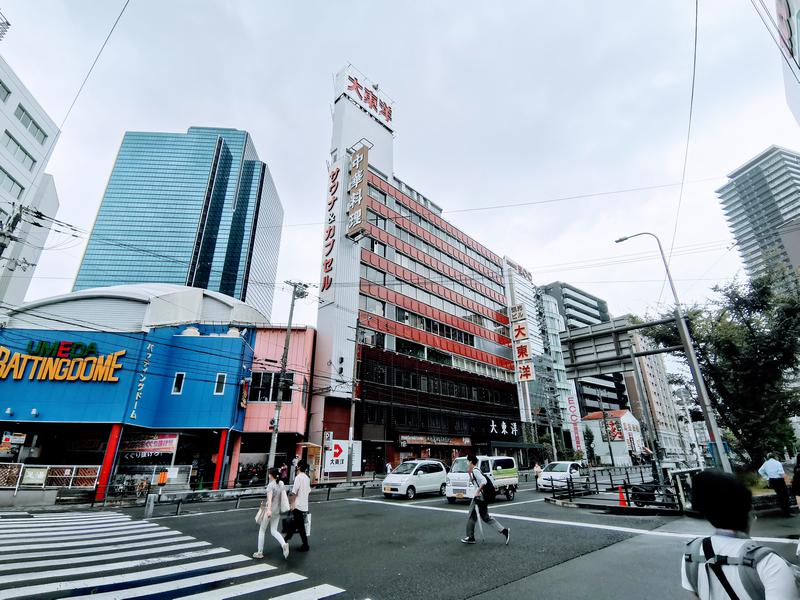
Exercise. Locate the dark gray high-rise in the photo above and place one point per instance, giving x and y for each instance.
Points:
(760, 201)
(579, 309)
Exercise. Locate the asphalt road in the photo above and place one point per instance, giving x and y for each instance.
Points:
(364, 548)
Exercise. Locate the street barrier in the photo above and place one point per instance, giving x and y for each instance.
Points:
(18, 476)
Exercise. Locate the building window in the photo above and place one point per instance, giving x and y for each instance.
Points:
(376, 220)
(377, 194)
(4, 91)
(177, 384)
(371, 305)
(9, 184)
(368, 337)
(219, 387)
(373, 275)
(29, 124)
(17, 151)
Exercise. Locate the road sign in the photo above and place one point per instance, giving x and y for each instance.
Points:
(336, 456)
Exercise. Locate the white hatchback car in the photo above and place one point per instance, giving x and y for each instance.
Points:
(415, 477)
(556, 474)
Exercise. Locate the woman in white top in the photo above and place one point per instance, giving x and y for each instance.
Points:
(276, 502)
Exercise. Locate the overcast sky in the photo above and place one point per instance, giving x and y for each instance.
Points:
(494, 106)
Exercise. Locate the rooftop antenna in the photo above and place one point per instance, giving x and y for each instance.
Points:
(5, 24)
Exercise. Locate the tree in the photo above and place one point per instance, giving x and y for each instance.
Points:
(588, 439)
(747, 342)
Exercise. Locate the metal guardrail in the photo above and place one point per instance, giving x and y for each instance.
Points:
(643, 494)
(18, 476)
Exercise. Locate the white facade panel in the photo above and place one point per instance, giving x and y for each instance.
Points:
(27, 138)
(337, 313)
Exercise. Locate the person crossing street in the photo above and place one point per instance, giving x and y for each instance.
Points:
(479, 504)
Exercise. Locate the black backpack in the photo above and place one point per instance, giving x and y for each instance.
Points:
(489, 491)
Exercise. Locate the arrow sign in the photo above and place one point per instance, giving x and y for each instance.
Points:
(337, 451)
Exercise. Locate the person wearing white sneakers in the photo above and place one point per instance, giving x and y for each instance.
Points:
(277, 503)
(479, 507)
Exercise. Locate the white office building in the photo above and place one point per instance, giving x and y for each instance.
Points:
(27, 194)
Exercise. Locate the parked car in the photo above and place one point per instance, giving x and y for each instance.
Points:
(415, 477)
(557, 474)
(502, 470)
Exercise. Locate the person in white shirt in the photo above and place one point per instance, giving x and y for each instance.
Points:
(300, 492)
(478, 507)
(726, 503)
(772, 471)
(388, 468)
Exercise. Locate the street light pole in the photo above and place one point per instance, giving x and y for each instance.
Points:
(694, 367)
(299, 290)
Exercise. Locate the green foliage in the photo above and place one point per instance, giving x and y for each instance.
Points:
(747, 342)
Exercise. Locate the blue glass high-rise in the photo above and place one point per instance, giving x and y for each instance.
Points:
(196, 208)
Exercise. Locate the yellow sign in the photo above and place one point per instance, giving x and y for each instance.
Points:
(42, 368)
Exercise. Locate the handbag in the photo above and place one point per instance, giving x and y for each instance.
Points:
(262, 512)
(307, 519)
(287, 522)
(284, 505)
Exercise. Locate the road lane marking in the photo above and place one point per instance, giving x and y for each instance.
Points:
(117, 566)
(126, 538)
(314, 593)
(10, 534)
(37, 524)
(47, 537)
(169, 586)
(244, 588)
(47, 588)
(513, 504)
(38, 564)
(94, 549)
(616, 528)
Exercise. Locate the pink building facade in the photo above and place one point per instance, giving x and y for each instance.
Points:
(250, 450)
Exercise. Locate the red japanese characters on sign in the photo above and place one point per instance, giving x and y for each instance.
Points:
(357, 191)
(574, 416)
(368, 98)
(329, 240)
(519, 331)
(525, 371)
(522, 352)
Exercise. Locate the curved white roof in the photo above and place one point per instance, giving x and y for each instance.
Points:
(133, 307)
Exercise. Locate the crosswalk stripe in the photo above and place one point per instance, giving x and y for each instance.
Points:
(47, 537)
(126, 538)
(182, 583)
(245, 588)
(38, 564)
(67, 528)
(61, 517)
(46, 588)
(93, 549)
(36, 524)
(115, 566)
(314, 593)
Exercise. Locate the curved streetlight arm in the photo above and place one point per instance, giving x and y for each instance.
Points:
(694, 367)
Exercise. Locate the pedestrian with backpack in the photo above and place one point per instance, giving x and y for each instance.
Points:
(728, 564)
(485, 492)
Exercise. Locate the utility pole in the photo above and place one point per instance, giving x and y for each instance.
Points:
(652, 428)
(299, 290)
(694, 367)
(607, 432)
(353, 400)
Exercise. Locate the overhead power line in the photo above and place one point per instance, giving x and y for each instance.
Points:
(686, 147)
(94, 62)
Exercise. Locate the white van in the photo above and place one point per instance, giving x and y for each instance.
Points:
(502, 470)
